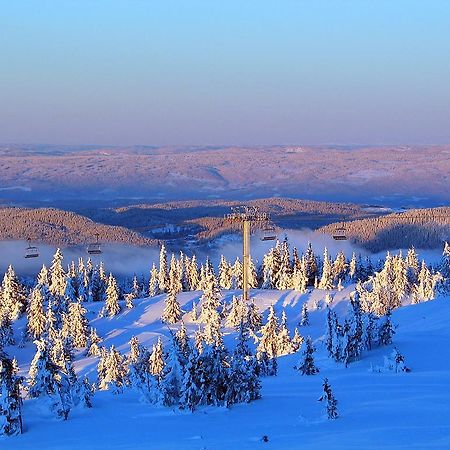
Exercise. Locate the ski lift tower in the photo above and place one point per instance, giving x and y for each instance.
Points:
(250, 219)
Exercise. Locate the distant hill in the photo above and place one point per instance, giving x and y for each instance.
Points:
(387, 175)
(204, 219)
(62, 228)
(422, 228)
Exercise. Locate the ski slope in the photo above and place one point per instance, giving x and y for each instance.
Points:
(377, 410)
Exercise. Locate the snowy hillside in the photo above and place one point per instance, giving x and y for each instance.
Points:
(376, 410)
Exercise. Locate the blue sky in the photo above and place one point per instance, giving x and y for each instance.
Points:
(224, 72)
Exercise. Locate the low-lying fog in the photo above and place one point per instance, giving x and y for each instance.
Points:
(126, 260)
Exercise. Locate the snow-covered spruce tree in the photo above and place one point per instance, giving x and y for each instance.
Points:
(300, 278)
(191, 389)
(307, 366)
(82, 393)
(78, 324)
(386, 330)
(157, 359)
(267, 367)
(395, 362)
(268, 342)
(114, 371)
(311, 265)
(211, 302)
(6, 330)
(237, 313)
(326, 281)
(445, 264)
(353, 268)
(339, 267)
(304, 321)
(10, 399)
(237, 274)
(285, 272)
(297, 340)
(112, 297)
(175, 284)
(353, 333)
(253, 316)
(225, 273)
(172, 377)
(36, 313)
(243, 383)
(370, 331)
(48, 380)
(57, 275)
(331, 402)
(153, 286)
(172, 311)
(194, 312)
(285, 345)
(43, 371)
(192, 274)
(12, 295)
(93, 348)
(215, 361)
(163, 275)
(183, 341)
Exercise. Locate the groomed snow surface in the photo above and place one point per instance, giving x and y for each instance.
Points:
(376, 410)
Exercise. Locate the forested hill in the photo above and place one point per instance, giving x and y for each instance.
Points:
(421, 228)
(62, 228)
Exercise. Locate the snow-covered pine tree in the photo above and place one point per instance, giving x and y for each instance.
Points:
(36, 313)
(236, 274)
(386, 330)
(175, 284)
(157, 359)
(163, 275)
(331, 402)
(115, 371)
(326, 281)
(153, 287)
(6, 330)
(92, 344)
(225, 273)
(172, 377)
(43, 371)
(237, 313)
(297, 340)
(353, 337)
(12, 295)
(307, 366)
(285, 345)
(112, 297)
(253, 316)
(304, 321)
(172, 311)
(192, 274)
(268, 342)
(10, 399)
(243, 383)
(191, 389)
(78, 324)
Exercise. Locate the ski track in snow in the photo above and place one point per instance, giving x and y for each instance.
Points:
(377, 410)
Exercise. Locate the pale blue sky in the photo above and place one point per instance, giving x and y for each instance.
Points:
(224, 72)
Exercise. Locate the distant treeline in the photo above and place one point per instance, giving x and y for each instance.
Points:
(62, 228)
(422, 228)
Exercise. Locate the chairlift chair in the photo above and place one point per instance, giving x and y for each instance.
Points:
(269, 234)
(340, 234)
(31, 251)
(94, 248)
